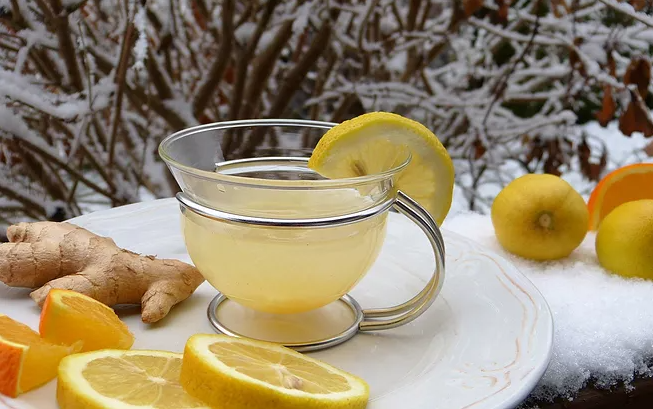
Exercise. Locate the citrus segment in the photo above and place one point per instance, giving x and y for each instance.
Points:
(241, 373)
(68, 317)
(117, 379)
(377, 142)
(26, 360)
(626, 184)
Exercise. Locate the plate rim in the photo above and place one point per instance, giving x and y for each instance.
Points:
(514, 395)
(533, 378)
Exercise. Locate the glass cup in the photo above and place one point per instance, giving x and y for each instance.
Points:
(274, 236)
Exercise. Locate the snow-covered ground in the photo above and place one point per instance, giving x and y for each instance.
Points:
(602, 330)
(602, 322)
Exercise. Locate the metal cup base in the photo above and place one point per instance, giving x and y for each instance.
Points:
(305, 346)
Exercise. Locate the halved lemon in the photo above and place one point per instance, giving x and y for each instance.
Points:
(375, 142)
(235, 373)
(119, 379)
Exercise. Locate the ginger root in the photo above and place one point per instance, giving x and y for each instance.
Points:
(61, 255)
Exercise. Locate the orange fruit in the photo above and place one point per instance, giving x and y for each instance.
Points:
(26, 360)
(626, 184)
(68, 317)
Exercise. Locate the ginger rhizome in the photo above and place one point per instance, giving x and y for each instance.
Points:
(46, 255)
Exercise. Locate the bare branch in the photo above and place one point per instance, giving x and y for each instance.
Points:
(214, 76)
(156, 74)
(120, 83)
(292, 81)
(245, 57)
(66, 45)
(629, 11)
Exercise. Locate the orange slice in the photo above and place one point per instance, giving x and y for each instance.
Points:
(626, 184)
(26, 360)
(68, 317)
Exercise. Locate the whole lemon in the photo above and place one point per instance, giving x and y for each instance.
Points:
(540, 217)
(624, 242)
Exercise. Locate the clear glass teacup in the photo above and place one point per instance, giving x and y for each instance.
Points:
(274, 236)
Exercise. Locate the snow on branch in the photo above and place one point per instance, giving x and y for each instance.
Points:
(89, 88)
(629, 10)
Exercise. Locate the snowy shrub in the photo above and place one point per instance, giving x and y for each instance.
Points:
(91, 86)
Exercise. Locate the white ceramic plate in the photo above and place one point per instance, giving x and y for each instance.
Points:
(484, 343)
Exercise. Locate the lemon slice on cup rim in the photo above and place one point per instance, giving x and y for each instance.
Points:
(372, 143)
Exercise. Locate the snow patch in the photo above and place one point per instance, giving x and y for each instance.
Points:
(245, 32)
(140, 48)
(397, 62)
(184, 109)
(602, 322)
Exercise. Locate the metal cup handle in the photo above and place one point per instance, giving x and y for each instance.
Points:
(398, 315)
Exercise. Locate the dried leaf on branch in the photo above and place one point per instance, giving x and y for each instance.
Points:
(608, 107)
(500, 15)
(608, 103)
(555, 158)
(639, 5)
(479, 149)
(590, 170)
(637, 117)
(639, 74)
(535, 152)
(472, 6)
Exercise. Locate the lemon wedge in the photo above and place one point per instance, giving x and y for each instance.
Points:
(27, 361)
(236, 373)
(376, 142)
(118, 379)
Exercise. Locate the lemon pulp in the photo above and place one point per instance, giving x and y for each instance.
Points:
(123, 379)
(242, 373)
(379, 141)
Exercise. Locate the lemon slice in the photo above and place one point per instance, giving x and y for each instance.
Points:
(373, 143)
(118, 379)
(235, 373)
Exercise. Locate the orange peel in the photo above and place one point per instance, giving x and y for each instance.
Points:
(626, 184)
(68, 317)
(26, 360)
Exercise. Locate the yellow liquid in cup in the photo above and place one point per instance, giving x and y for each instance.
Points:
(284, 270)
